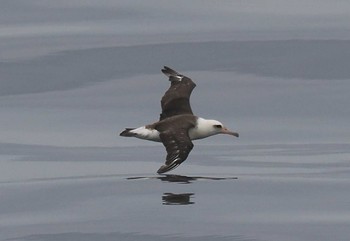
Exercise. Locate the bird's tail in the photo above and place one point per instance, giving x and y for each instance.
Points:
(127, 132)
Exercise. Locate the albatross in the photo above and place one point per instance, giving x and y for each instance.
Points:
(177, 125)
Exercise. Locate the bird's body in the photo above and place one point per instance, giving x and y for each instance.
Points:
(199, 128)
(177, 126)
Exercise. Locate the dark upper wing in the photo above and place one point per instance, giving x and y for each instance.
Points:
(176, 100)
(178, 145)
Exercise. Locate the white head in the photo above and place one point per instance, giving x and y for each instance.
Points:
(207, 128)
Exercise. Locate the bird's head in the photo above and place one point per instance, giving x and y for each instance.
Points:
(211, 127)
(218, 128)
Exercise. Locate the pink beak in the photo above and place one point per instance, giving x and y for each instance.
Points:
(228, 132)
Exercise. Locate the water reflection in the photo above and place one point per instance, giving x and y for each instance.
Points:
(177, 199)
(169, 198)
(176, 178)
(181, 179)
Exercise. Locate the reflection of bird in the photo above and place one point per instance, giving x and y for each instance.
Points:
(182, 179)
(177, 199)
(177, 126)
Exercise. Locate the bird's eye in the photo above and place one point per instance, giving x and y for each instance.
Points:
(218, 126)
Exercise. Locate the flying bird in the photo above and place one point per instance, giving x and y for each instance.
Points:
(177, 126)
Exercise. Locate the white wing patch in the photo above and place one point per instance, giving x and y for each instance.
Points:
(175, 78)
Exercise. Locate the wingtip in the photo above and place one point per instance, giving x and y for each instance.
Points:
(163, 169)
(167, 168)
(160, 170)
(169, 71)
(166, 68)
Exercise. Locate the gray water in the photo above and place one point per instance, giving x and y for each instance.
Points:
(74, 74)
(245, 192)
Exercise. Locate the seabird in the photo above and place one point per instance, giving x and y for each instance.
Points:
(177, 126)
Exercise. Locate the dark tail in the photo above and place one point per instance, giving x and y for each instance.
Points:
(127, 132)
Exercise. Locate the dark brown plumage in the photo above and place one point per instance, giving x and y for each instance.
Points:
(177, 126)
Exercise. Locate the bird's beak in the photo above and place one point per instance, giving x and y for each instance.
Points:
(228, 132)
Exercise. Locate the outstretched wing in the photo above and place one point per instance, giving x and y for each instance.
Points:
(178, 145)
(176, 100)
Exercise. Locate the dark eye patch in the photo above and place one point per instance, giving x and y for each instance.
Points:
(218, 126)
